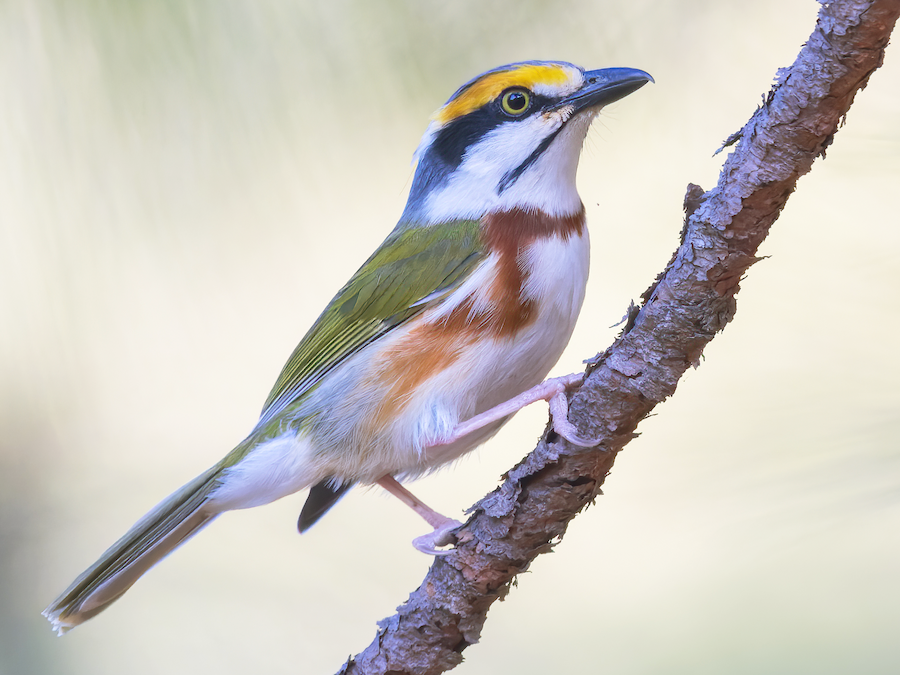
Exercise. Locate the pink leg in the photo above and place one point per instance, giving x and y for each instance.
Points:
(443, 526)
(552, 390)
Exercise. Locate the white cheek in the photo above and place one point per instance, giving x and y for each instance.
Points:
(547, 185)
(471, 191)
(507, 146)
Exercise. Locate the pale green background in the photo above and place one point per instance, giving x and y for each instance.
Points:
(183, 185)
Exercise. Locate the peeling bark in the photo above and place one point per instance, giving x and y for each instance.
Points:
(691, 301)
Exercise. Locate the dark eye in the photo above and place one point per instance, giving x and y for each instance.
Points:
(515, 101)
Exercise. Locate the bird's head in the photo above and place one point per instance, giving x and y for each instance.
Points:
(511, 138)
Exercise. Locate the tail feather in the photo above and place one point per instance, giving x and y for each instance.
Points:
(322, 496)
(171, 522)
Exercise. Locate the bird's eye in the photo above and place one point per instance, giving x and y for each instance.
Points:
(515, 102)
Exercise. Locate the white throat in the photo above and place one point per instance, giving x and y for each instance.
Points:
(548, 184)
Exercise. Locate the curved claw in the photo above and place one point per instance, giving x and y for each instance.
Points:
(441, 536)
(568, 431)
(559, 415)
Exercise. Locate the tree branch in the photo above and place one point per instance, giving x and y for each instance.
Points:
(691, 301)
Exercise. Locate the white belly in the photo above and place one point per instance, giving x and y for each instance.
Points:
(346, 443)
(495, 371)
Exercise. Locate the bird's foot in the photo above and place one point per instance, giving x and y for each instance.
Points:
(443, 526)
(441, 536)
(559, 411)
(553, 391)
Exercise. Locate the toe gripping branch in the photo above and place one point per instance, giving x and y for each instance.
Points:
(553, 391)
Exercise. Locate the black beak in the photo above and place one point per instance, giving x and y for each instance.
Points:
(604, 86)
(600, 88)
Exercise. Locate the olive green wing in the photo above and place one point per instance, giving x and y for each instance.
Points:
(414, 268)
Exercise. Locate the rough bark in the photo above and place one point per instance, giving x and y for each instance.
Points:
(690, 302)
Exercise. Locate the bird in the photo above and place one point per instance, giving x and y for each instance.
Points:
(446, 331)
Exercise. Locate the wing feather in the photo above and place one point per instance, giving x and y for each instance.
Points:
(414, 268)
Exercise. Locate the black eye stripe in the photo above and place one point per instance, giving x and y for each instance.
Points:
(452, 141)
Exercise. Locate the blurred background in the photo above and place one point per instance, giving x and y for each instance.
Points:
(184, 185)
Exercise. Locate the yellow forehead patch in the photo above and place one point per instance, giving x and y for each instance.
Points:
(489, 86)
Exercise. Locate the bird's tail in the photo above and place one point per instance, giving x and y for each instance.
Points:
(174, 520)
